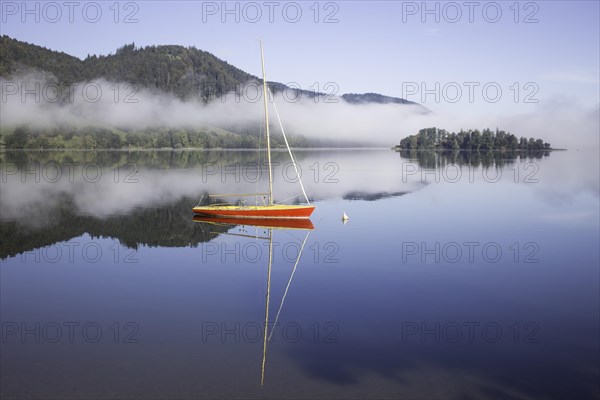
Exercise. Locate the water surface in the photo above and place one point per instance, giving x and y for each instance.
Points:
(457, 275)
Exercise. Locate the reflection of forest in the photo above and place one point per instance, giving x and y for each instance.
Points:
(169, 226)
(432, 159)
(141, 158)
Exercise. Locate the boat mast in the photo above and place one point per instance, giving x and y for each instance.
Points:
(262, 59)
(268, 296)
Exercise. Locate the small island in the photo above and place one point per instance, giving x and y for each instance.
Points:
(472, 140)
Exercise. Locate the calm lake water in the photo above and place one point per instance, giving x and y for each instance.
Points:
(456, 276)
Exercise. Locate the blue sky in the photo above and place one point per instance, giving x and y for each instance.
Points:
(534, 52)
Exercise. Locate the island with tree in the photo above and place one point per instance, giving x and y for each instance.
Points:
(472, 140)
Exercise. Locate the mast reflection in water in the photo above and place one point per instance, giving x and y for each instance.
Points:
(268, 225)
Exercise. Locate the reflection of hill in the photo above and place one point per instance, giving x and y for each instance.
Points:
(169, 226)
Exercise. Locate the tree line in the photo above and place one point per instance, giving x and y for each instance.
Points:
(27, 137)
(475, 140)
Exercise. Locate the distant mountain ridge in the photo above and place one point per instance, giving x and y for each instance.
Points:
(366, 98)
(185, 72)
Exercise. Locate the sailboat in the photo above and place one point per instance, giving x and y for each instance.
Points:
(269, 210)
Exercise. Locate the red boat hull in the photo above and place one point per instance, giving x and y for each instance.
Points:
(276, 211)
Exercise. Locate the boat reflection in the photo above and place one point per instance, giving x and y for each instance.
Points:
(275, 223)
(269, 225)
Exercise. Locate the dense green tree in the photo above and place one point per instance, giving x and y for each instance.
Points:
(486, 140)
(523, 143)
(19, 138)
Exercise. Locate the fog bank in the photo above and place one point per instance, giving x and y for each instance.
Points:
(36, 99)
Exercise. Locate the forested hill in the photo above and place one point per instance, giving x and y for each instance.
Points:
(186, 72)
(16, 56)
